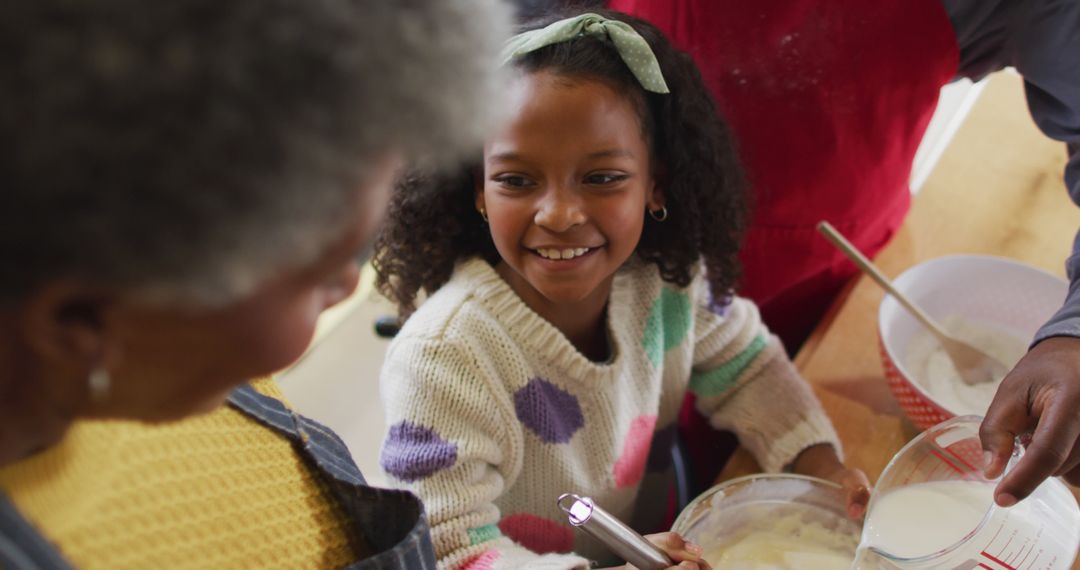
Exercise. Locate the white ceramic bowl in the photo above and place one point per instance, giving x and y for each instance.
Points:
(992, 291)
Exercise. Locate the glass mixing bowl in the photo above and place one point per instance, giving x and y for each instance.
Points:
(772, 521)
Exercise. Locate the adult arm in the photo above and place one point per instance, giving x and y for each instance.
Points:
(1040, 396)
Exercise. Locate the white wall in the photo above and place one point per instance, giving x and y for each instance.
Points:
(956, 101)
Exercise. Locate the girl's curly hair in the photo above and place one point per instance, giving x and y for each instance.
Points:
(433, 223)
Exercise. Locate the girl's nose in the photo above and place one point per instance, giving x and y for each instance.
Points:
(560, 210)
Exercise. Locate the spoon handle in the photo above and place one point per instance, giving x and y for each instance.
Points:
(870, 269)
(624, 541)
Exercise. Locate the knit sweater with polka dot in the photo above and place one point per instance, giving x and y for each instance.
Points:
(493, 413)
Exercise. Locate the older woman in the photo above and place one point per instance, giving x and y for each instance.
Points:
(184, 186)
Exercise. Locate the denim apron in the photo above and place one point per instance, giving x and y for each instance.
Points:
(392, 522)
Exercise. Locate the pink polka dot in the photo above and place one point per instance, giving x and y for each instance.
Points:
(538, 534)
(483, 561)
(630, 466)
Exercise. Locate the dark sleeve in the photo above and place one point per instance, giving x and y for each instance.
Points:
(1067, 320)
(1041, 39)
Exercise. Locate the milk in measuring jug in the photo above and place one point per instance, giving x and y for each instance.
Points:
(921, 519)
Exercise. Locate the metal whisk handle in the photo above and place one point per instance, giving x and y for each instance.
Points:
(621, 539)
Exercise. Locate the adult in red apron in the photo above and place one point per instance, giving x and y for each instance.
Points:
(828, 100)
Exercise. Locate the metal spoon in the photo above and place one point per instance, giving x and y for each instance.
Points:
(974, 365)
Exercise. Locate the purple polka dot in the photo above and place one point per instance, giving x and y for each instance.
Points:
(721, 305)
(660, 451)
(552, 413)
(413, 452)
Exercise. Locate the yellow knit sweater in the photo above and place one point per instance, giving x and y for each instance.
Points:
(214, 491)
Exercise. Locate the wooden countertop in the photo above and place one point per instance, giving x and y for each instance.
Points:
(997, 190)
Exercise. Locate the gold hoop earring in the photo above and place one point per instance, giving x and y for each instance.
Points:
(483, 214)
(99, 384)
(659, 215)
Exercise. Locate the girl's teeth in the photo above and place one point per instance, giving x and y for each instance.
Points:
(562, 253)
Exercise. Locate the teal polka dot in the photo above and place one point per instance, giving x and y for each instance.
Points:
(667, 325)
(720, 379)
(483, 534)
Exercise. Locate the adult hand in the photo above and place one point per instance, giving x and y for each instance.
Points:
(1040, 397)
(686, 555)
(821, 461)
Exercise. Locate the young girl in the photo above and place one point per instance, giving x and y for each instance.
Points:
(579, 280)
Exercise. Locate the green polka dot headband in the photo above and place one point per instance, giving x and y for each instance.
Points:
(633, 48)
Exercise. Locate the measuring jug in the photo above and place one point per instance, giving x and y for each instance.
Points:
(933, 508)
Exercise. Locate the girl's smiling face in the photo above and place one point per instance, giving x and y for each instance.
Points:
(566, 183)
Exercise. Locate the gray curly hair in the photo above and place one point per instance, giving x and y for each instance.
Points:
(183, 150)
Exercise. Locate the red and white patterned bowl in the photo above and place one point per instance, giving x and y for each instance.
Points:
(997, 292)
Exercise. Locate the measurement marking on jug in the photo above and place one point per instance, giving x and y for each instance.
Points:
(916, 469)
(947, 462)
(1030, 546)
(960, 459)
(993, 558)
(1001, 551)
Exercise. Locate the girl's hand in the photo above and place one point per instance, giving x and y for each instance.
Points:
(687, 555)
(821, 461)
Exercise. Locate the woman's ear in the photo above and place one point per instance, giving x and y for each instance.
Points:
(65, 323)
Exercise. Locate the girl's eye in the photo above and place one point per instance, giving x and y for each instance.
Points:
(512, 181)
(604, 178)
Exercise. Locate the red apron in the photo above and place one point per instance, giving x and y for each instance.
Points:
(828, 100)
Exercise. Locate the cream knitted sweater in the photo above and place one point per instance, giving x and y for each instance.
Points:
(493, 413)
